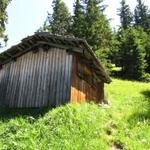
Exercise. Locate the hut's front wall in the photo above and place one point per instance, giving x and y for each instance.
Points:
(83, 86)
(37, 79)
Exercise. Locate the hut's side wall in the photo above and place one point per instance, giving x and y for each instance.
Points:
(81, 90)
(37, 79)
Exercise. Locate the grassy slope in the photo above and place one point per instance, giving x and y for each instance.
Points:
(130, 114)
(86, 126)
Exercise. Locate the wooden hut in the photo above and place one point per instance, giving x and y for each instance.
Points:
(47, 70)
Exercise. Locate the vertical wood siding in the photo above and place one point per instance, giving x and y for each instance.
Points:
(37, 79)
(81, 90)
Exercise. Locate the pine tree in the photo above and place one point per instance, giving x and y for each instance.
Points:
(3, 18)
(90, 23)
(60, 19)
(126, 19)
(125, 14)
(133, 52)
(114, 51)
(78, 20)
(148, 54)
(142, 19)
(142, 16)
(97, 30)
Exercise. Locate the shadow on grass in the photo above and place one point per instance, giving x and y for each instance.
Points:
(144, 115)
(146, 94)
(9, 113)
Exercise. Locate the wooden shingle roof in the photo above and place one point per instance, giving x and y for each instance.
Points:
(45, 39)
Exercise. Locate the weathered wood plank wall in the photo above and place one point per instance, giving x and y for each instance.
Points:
(82, 90)
(37, 79)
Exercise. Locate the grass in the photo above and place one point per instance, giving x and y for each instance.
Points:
(130, 114)
(124, 125)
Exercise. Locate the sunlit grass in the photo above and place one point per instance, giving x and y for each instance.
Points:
(130, 112)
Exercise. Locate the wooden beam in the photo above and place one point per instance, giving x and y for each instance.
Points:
(2, 56)
(67, 47)
(7, 53)
(19, 48)
(22, 47)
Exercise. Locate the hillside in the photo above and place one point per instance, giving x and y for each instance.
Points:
(124, 125)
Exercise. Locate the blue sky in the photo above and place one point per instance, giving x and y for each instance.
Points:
(26, 16)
